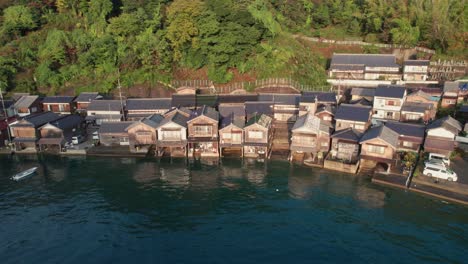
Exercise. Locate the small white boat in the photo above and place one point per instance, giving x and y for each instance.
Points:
(24, 174)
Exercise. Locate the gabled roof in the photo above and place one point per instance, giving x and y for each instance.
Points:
(186, 100)
(260, 119)
(151, 121)
(66, 122)
(87, 97)
(369, 60)
(148, 103)
(182, 110)
(416, 62)
(236, 121)
(26, 101)
(205, 111)
(236, 98)
(17, 96)
(312, 123)
(422, 94)
(206, 99)
(448, 123)
(382, 132)
(326, 109)
(114, 127)
(391, 91)
(260, 107)
(353, 112)
(367, 92)
(58, 99)
(227, 110)
(416, 107)
(177, 118)
(361, 101)
(284, 99)
(406, 129)
(451, 87)
(105, 105)
(323, 97)
(39, 119)
(7, 103)
(348, 134)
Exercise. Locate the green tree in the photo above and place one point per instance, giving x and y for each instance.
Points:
(403, 33)
(19, 19)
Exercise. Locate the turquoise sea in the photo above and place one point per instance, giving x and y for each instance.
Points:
(126, 210)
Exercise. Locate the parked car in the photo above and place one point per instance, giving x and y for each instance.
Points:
(436, 162)
(439, 171)
(77, 140)
(435, 156)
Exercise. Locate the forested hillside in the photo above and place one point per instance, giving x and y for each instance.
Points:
(50, 46)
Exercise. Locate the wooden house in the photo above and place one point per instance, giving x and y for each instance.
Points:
(310, 101)
(231, 136)
(5, 134)
(27, 105)
(420, 96)
(344, 153)
(114, 133)
(310, 136)
(358, 93)
(55, 134)
(83, 100)
(353, 116)
(100, 111)
(415, 70)
(410, 136)
(440, 135)
(378, 148)
(450, 95)
(203, 133)
(388, 102)
(417, 112)
(364, 67)
(285, 106)
(326, 113)
(26, 131)
(258, 134)
(144, 107)
(172, 135)
(361, 102)
(142, 134)
(64, 105)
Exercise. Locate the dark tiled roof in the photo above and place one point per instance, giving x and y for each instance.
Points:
(464, 109)
(208, 100)
(405, 129)
(391, 91)
(350, 112)
(237, 121)
(348, 134)
(312, 123)
(148, 104)
(370, 60)
(26, 101)
(259, 107)
(205, 111)
(7, 103)
(382, 132)
(177, 118)
(348, 67)
(152, 121)
(182, 110)
(285, 99)
(236, 99)
(40, 119)
(448, 123)
(326, 108)
(260, 119)
(361, 101)
(451, 87)
(416, 107)
(87, 97)
(58, 99)
(68, 121)
(416, 62)
(367, 92)
(227, 110)
(324, 97)
(186, 100)
(114, 127)
(105, 105)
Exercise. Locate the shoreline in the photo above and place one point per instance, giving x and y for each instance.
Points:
(389, 180)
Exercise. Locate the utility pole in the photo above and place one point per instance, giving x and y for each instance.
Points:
(6, 116)
(120, 95)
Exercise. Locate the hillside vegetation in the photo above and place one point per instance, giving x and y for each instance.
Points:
(50, 46)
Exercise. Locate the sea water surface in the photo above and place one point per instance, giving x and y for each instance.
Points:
(126, 210)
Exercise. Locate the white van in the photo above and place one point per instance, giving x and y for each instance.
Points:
(438, 171)
(435, 156)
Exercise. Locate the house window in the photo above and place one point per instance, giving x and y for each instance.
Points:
(389, 114)
(49, 108)
(407, 144)
(413, 117)
(324, 144)
(376, 149)
(124, 139)
(255, 134)
(61, 108)
(327, 118)
(236, 137)
(389, 102)
(360, 127)
(170, 135)
(376, 112)
(202, 130)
